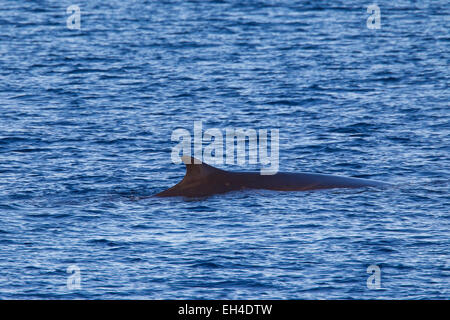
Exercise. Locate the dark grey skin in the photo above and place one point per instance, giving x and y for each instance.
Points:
(202, 180)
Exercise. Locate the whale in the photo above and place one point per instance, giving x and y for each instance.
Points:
(203, 180)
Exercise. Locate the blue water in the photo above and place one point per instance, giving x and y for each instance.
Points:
(85, 138)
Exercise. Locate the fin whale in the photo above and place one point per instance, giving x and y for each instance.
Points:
(203, 180)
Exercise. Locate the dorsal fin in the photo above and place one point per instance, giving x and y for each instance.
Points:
(195, 169)
(196, 173)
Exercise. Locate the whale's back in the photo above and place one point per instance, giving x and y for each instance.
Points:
(203, 180)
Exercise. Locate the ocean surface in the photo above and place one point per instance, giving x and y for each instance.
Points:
(86, 118)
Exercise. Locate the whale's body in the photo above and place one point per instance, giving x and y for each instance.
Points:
(203, 180)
